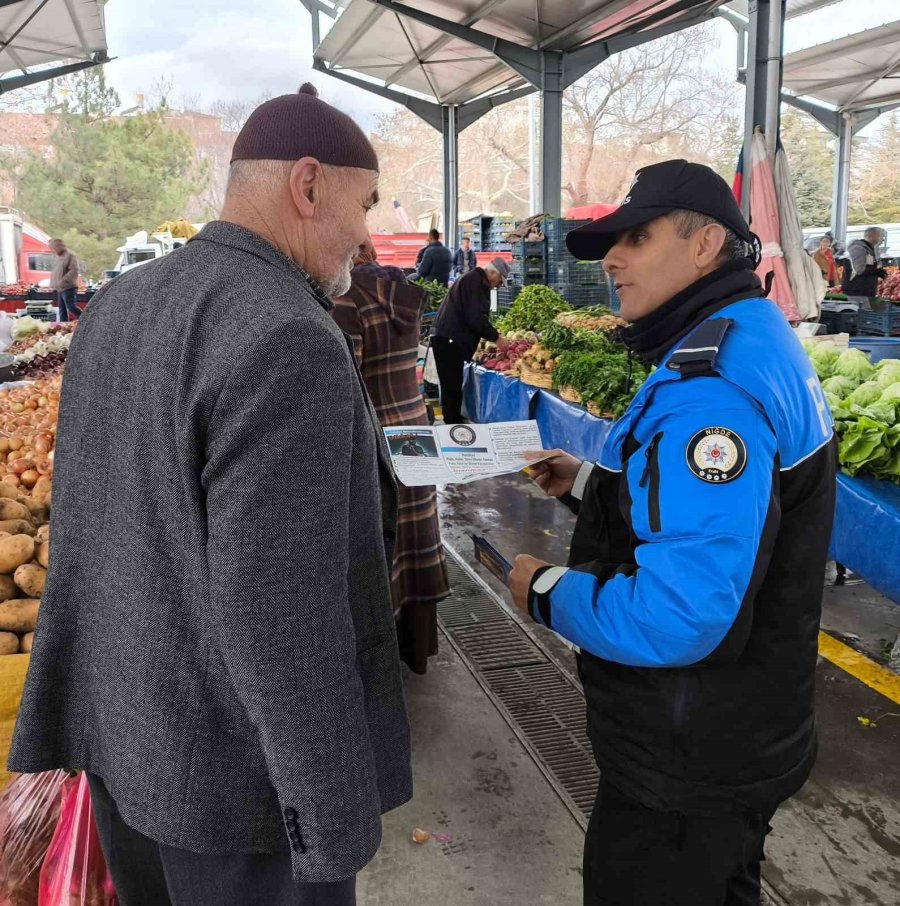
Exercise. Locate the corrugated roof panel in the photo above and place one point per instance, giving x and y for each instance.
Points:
(399, 51)
(38, 32)
(854, 72)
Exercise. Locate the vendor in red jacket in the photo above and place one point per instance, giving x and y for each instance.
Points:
(463, 320)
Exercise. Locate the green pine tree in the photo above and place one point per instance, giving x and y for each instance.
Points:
(875, 180)
(810, 153)
(106, 177)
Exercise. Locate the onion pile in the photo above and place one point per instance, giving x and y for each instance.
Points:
(28, 431)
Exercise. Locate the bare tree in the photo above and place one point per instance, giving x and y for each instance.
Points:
(641, 105)
(234, 113)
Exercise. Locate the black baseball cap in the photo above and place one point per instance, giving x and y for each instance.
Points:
(674, 185)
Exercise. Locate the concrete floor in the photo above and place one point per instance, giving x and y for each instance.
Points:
(512, 839)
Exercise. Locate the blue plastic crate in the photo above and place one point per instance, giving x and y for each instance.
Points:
(559, 228)
(883, 322)
(529, 250)
(586, 273)
(877, 348)
(583, 296)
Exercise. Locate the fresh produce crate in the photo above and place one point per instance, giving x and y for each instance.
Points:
(840, 322)
(586, 273)
(558, 228)
(841, 340)
(882, 323)
(877, 348)
(583, 296)
(506, 295)
(531, 266)
(529, 250)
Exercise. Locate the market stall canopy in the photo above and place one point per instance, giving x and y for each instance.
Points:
(794, 7)
(34, 34)
(854, 73)
(395, 50)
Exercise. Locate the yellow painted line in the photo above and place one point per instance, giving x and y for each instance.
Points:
(859, 666)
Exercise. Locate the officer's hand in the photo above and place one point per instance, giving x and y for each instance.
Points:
(520, 579)
(556, 476)
(502, 343)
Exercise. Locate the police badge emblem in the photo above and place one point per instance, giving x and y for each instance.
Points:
(716, 455)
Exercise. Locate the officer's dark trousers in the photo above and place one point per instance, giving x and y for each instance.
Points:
(147, 873)
(635, 856)
(449, 362)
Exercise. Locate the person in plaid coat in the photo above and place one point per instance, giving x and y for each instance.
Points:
(382, 313)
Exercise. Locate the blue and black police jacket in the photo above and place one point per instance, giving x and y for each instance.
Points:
(695, 579)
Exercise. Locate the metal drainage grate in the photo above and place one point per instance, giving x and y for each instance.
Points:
(539, 701)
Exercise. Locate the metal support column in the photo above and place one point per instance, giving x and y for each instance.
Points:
(775, 72)
(450, 131)
(551, 132)
(840, 205)
(757, 85)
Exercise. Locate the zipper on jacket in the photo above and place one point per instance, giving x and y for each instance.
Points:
(651, 477)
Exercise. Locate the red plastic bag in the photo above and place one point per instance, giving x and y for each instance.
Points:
(29, 813)
(75, 872)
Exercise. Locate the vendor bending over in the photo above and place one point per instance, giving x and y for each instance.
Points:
(694, 582)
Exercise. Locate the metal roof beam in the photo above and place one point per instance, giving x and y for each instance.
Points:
(473, 111)
(33, 78)
(524, 60)
(426, 110)
(825, 116)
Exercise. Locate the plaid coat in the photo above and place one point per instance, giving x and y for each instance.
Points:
(381, 313)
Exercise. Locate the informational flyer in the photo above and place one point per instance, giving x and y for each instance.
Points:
(457, 454)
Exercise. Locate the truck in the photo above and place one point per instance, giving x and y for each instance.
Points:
(143, 246)
(25, 253)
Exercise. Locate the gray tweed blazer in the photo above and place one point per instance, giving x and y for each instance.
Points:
(216, 639)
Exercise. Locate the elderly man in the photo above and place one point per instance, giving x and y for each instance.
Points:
(64, 280)
(864, 271)
(216, 643)
(694, 583)
(462, 320)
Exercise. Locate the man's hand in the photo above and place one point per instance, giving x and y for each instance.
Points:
(556, 476)
(520, 579)
(502, 343)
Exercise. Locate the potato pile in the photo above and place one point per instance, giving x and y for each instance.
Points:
(28, 416)
(24, 559)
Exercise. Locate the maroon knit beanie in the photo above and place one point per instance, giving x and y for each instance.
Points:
(301, 125)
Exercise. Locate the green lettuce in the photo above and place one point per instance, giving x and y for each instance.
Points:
(865, 394)
(839, 385)
(824, 357)
(854, 364)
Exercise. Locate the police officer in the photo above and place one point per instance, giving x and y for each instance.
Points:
(694, 583)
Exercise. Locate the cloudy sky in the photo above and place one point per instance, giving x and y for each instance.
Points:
(229, 49)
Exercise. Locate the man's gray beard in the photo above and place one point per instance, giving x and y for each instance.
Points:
(338, 285)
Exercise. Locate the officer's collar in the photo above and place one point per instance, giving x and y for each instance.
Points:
(652, 337)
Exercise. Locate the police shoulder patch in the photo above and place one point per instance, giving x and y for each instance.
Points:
(716, 455)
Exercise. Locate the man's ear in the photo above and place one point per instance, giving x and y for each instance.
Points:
(306, 185)
(710, 242)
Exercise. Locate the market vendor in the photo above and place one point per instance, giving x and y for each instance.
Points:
(864, 269)
(464, 319)
(694, 582)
